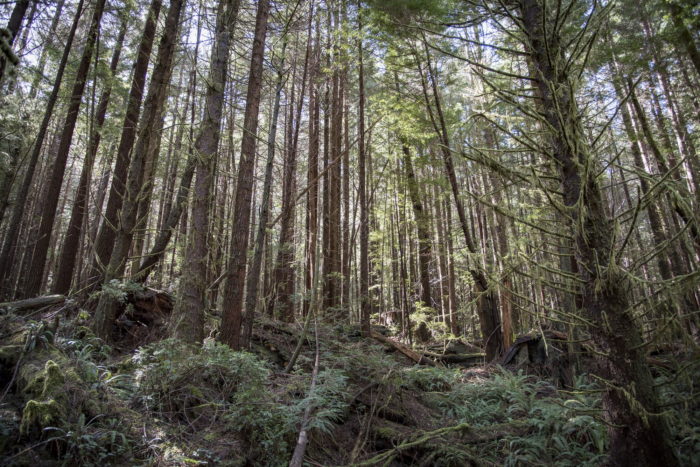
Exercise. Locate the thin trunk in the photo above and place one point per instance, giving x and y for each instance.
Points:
(684, 35)
(284, 270)
(256, 263)
(312, 173)
(45, 50)
(364, 214)
(8, 34)
(127, 219)
(487, 300)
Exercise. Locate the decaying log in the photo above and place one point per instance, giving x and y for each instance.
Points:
(456, 347)
(470, 358)
(34, 303)
(534, 345)
(143, 317)
(413, 355)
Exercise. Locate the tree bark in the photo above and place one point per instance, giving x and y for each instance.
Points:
(71, 241)
(233, 292)
(188, 323)
(284, 274)
(364, 211)
(487, 300)
(7, 255)
(107, 233)
(634, 440)
(128, 221)
(8, 37)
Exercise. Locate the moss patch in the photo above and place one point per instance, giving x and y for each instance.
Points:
(38, 415)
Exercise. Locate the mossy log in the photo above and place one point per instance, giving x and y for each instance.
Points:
(33, 303)
(470, 359)
(458, 437)
(410, 353)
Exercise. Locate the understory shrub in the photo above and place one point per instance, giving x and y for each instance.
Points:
(562, 428)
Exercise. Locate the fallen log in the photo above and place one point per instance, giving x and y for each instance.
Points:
(34, 303)
(471, 358)
(413, 355)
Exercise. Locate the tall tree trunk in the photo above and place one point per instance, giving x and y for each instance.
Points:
(127, 219)
(69, 252)
(188, 317)
(7, 36)
(425, 252)
(312, 173)
(7, 255)
(233, 292)
(679, 194)
(364, 211)
(284, 275)
(685, 37)
(107, 233)
(487, 299)
(629, 397)
(34, 89)
(256, 263)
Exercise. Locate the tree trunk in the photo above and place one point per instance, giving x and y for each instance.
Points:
(8, 253)
(284, 275)
(188, 316)
(128, 221)
(233, 292)
(487, 300)
(107, 232)
(425, 252)
(364, 211)
(69, 252)
(634, 440)
(7, 38)
(684, 35)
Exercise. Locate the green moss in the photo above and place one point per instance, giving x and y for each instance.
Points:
(9, 355)
(43, 383)
(387, 433)
(38, 415)
(53, 379)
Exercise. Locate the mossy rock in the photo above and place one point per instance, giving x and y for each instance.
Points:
(38, 415)
(43, 383)
(10, 354)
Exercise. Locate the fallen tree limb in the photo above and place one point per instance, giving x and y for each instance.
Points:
(33, 303)
(413, 355)
(298, 456)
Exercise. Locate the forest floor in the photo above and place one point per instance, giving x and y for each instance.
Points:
(69, 399)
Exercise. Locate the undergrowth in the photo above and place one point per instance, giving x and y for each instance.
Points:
(173, 404)
(560, 429)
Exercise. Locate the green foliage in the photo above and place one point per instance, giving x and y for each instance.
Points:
(175, 377)
(328, 400)
(91, 443)
(392, 15)
(428, 378)
(214, 383)
(203, 384)
(119, 291)
(561, 431)
(678, 393)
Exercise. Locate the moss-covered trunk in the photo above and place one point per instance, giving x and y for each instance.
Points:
(636, 435)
